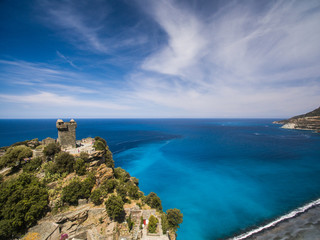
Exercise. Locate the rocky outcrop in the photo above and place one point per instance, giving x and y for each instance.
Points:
(308, 121)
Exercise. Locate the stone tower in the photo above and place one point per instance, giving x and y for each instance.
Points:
(67, 133)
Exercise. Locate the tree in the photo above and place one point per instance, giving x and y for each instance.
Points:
(64, 162)
(109, 185)
(96, 197)
(114, 207)
(175, 218)
(97, 138)
(153, 223)
(80, 167)
(32, 165)
(109, 158)
(76, 190)
(121, 174)
(51, 149)
(14, 156)
(153, 201)
(23, 201)
(99, 145)
(164, 223)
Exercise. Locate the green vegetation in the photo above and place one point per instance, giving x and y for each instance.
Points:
(153, 201)
(63, 163)
(22, 202)
(175, 218)
(130, 222)
(109, 185)
(114, 207)
(51, 149)
(164, 223)
(96, 197)
(24, 197)
(153, 223)
(77, 190)
(14, 156)
(121, 174)
(80, 167)
(33, 165)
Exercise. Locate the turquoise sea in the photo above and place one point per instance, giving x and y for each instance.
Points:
(226, 175)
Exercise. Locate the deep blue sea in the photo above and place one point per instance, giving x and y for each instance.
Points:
(226, 175)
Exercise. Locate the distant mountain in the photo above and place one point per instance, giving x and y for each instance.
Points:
(308, 121)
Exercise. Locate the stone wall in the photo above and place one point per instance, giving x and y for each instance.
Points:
(67, 133)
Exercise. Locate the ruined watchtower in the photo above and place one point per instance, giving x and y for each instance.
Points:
(66, 133)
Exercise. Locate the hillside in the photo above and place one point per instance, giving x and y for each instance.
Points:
(50, 193)
(308, 121)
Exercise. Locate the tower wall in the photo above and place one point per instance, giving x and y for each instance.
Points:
(67, 133)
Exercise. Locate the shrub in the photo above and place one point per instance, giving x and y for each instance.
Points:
(72, 192)
(97, 138)
(133, 191)
(51, 149)
(121, 174)
(175, 218)
(80, 167)
(76, 190)
(122, 191)
(130, 222)
(96, 197)
(22, 202)
(99, 146)
(153, 223)
(114, 207)
(84, 156)
(14, 156)
(32, 165)
(109, 185)
(164, 223)
(109, 158)
(64, 162)
(153, 201)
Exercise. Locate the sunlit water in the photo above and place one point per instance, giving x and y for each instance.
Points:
(225, 175)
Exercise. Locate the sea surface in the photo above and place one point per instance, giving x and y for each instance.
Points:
(225, 175)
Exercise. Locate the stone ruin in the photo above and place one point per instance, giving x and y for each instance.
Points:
(66, 133)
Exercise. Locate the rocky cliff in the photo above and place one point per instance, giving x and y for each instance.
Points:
(308, 121)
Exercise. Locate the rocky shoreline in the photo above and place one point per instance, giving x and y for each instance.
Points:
(308, 121)
(302, 223)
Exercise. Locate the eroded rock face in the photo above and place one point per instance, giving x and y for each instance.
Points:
(103, 173)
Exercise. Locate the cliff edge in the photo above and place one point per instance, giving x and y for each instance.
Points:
(308, 121)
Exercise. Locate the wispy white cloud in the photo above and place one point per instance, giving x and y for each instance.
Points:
(237, 61)
(51, 99)
(67, 60)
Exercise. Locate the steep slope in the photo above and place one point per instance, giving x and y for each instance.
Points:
(308, 121)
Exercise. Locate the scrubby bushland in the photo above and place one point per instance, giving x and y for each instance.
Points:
(153, 201)
(109, 158)
(33, 165)
(77, 189)
(109, 185)
(96, 197)
(153, 223)
(80, 167)
(22, 202)
(121, 174)
(63, 163)
(114, 207)
(51, 149)
(97, 138)
(14, 156)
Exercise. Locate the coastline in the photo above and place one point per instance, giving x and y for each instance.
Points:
(299, 222)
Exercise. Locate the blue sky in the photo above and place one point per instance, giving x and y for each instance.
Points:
(161, 58)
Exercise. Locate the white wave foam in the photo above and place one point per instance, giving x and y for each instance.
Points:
(280, 219)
